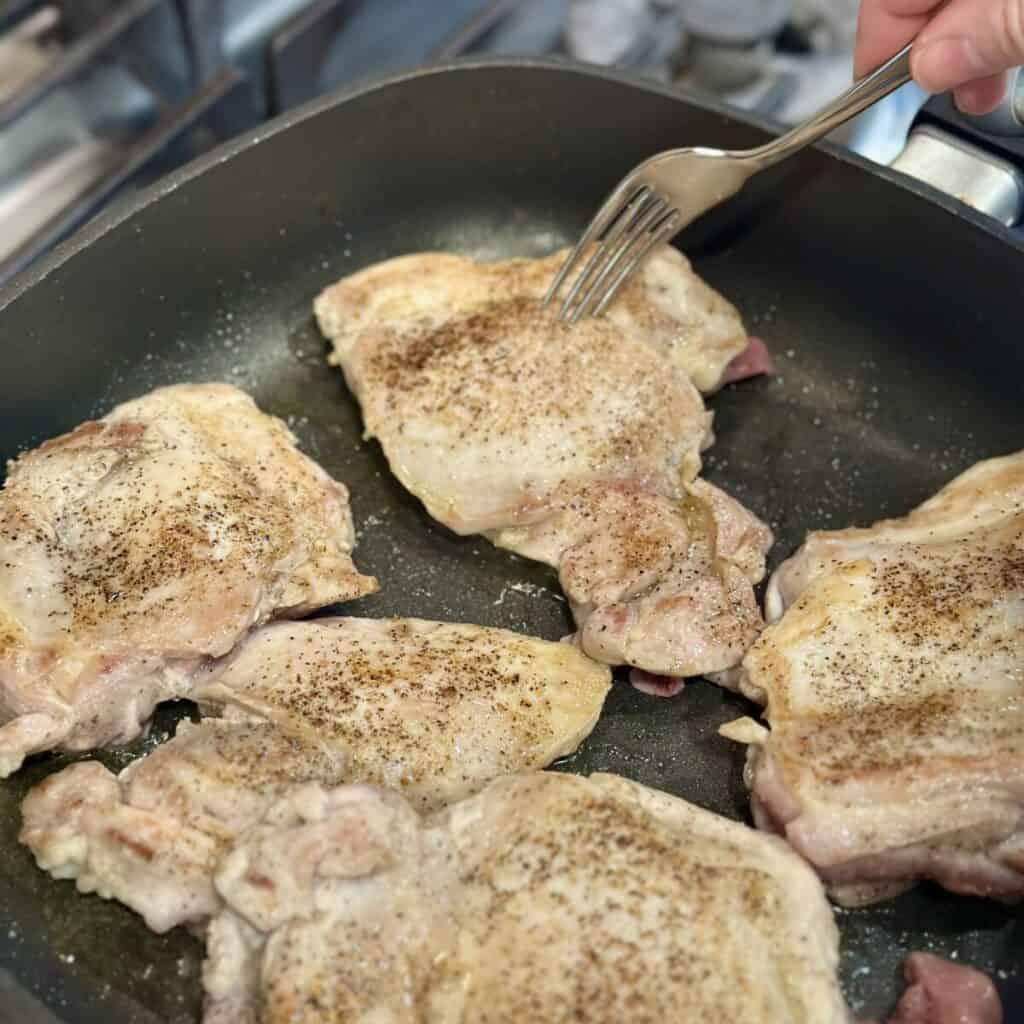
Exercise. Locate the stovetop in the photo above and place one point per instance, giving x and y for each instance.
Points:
(100, 97)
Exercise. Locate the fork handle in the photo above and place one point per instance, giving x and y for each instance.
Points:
(861, 95)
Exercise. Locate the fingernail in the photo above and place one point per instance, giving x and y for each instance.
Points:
(946, 63)
(979, 97)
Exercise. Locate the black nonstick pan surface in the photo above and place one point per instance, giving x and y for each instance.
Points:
(896, 320)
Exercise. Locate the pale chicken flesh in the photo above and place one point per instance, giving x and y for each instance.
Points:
(893, 675)
(665, 585)
(576, 446)
(665, 304)
(433, 710)
(545, 897)
(136, 548)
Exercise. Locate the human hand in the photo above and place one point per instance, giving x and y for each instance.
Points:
(963, 45)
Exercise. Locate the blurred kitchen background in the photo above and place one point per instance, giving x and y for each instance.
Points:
(100, 97)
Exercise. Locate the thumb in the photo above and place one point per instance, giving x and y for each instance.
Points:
(969, 41)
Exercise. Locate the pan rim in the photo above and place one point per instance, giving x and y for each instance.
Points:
(119, 212)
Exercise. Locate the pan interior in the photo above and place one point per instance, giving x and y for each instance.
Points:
(893, 374)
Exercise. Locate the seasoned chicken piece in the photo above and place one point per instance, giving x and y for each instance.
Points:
(663, 585)
(137, 547)
(894, 683)
(486, 415)
(546, 897)
(665, 304)
(578, 446)
(432, 709)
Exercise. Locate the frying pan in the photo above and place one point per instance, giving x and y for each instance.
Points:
(894, 316)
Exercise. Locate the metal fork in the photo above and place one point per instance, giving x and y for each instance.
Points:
(659, 198)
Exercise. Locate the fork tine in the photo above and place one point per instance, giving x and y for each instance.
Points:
(609, 210)
(651, 215)
(622, 220)
(662, 233)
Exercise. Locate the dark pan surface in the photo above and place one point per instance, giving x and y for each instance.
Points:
(895, 323)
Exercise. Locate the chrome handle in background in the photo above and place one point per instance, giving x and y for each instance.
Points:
(979, 161)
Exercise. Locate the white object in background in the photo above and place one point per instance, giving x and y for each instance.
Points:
(604, 31)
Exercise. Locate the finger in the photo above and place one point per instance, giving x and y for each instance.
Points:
(981, 96)
(886, 26)
(969, 40)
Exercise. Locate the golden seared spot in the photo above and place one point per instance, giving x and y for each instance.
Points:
(11, 634)
(322, 996)
(136, 846)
